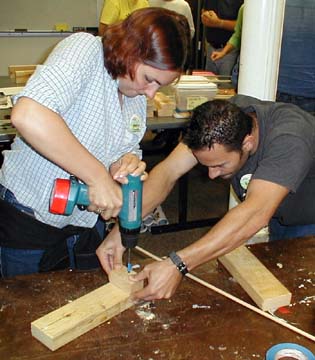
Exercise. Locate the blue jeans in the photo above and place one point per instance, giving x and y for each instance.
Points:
(307, 104)
(283, 232)
(26, 261)
(222, 66)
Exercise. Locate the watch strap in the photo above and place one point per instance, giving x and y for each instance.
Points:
(179, 263)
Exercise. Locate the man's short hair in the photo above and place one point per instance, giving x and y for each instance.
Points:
(218, 122)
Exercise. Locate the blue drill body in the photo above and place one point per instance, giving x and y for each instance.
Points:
(78, 195)
(130, 215)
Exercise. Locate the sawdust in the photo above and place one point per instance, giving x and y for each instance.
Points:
(196, 306)
(223, 352)
(145, 315)
(144, 311)
(307, 300)
(4, 306)
(222, 348)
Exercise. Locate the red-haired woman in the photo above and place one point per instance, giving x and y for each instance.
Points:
(83, 113)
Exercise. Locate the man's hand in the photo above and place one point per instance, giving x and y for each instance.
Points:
(110, 252)
(163, 279)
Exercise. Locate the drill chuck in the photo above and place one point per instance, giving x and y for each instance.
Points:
(129, 238)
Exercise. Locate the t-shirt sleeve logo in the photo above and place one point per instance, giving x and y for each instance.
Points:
(244, 181)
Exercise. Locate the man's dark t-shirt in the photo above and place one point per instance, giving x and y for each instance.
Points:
(285, 156)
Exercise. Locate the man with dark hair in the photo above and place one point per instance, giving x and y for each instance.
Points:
(267, 150)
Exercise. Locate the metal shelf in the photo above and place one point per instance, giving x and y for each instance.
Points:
(34, 33)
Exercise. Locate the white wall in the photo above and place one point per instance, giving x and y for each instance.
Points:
(40, 15)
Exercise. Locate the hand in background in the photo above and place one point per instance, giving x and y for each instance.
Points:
(210, 18)
(216, 55)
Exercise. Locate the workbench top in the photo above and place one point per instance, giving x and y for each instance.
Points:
(195, 324)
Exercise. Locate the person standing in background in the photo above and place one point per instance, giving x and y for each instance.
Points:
(296, 82)
(117, 10)
(234, 41)
(219, 18)
(180, 6)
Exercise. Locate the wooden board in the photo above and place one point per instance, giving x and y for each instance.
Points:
(165, 104)
(13, 68)
(85, 313)
(21, 76)
(260, 284)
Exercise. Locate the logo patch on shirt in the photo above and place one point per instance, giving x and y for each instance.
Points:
(135, 123)
(244, 181)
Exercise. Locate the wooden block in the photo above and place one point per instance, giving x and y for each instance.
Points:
(259, 283)
(164, 104)
(21, 76)
(150, 108)
(85, 313)
(120, 278)
(13, 68)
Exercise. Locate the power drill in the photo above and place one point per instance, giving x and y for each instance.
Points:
(68, 193)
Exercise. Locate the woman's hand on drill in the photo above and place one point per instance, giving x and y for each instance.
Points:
(128, 164)
(105, 196)
(110, 252)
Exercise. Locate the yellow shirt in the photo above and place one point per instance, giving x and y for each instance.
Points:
(117, 10)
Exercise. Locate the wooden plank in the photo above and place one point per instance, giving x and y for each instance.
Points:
(85, 313)
(259, 283)
(13, 68)
(164, 104)
(235, 299)
(21, 76)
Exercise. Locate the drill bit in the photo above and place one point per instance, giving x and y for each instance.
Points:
(129, 266)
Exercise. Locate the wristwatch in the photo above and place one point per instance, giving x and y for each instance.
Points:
(180, 265)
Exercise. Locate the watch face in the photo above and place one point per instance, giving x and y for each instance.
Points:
(180, 265)
(182, 268)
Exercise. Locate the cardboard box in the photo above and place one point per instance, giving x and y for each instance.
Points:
(192, 91)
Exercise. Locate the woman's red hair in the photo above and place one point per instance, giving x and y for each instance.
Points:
(153, 36)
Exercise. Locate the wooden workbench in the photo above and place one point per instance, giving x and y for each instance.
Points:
(195, 324)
